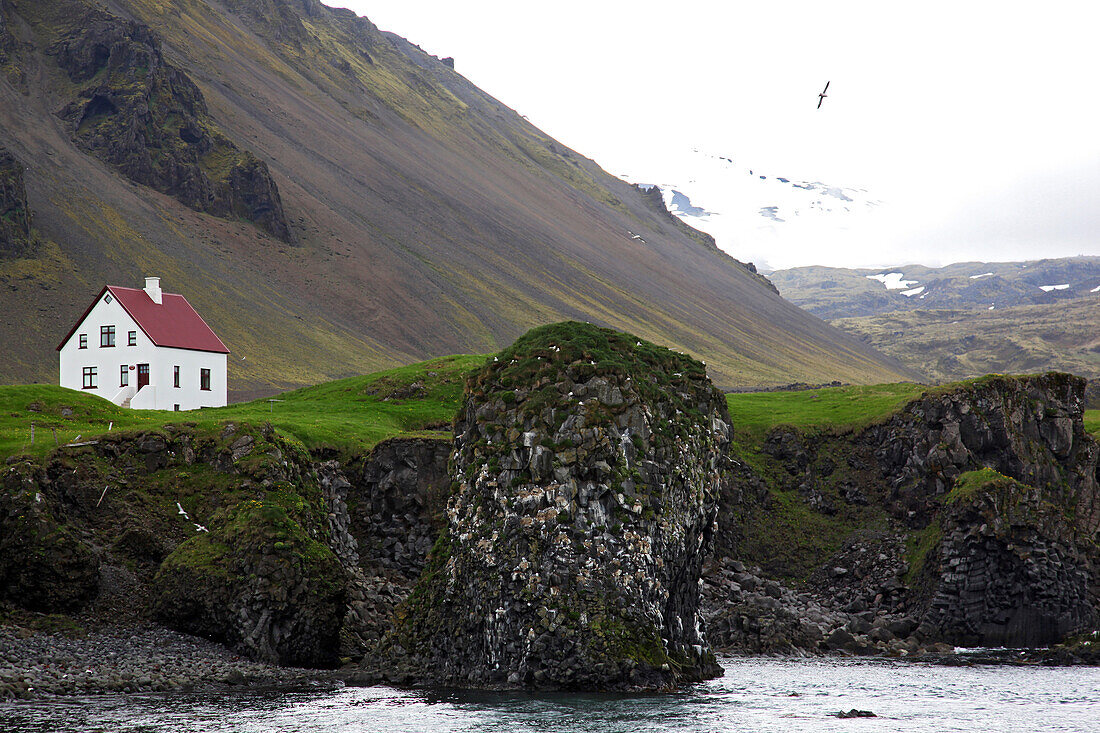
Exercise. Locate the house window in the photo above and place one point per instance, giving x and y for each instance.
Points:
(132, 338)
(175, 376)
(89, 377)
(124, 376)
(83, 340)
(106, 335)
(204, 379)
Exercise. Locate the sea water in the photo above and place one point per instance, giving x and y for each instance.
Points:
(755, 694)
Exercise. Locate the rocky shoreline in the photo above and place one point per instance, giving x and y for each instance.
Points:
(119, 660)
(126, 660)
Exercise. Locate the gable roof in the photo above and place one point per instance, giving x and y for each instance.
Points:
(173, 323)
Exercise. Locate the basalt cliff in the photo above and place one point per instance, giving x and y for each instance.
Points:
(595, 523)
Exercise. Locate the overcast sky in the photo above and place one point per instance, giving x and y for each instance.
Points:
(969, 130)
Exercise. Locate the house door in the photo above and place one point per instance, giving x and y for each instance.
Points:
(143, 375)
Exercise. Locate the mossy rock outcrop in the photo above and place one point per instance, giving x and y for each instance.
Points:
(587, 466)
(259, 583)
(1027, 427)
(132, 108)
(44, 565)
(15, 221)
(1012, 568)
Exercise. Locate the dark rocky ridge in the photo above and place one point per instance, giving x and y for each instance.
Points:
(136, 111)
(587, 465)
(15, 219)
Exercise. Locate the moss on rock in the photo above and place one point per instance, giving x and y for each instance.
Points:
(258, 582)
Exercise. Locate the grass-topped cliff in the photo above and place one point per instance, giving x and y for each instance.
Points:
(271, 524)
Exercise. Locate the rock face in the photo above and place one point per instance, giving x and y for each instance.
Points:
(587, 465)
(396, 503)
(43, 565)
(392, 507)
(1027, 428)
(259, 583)
(15, 223)
(968, 517)
(1012, 569)
(146, 117)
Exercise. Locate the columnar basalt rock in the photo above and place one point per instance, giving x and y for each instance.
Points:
(1011, 569)
(1029, 428)
(587, 466)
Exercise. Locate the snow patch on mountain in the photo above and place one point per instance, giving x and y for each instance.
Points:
(1048, 288)
(984, 274)
(753, 214)
(894, 280)
(914, 291)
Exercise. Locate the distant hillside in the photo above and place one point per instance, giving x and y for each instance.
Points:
(333, 200)
(967, 319)
(948, 345)
(834, 292)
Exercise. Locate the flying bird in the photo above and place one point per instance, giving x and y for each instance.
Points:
(821, 97)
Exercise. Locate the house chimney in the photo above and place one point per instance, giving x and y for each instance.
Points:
(152, 287)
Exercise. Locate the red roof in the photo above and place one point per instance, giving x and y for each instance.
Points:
(173, 323)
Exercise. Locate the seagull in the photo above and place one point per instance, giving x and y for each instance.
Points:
(821, 97)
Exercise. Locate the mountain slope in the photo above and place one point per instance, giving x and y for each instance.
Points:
(422, 216)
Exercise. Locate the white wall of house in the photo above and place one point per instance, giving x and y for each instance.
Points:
(109, 360)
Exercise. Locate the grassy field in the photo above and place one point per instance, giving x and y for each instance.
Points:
(753, 413)
(352, 415)
(348, 415)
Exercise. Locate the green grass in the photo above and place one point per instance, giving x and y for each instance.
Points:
(349, 415)
(850, 406)
(972, 483)
(1092, 423)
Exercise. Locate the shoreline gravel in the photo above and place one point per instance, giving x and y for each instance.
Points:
(149, 659)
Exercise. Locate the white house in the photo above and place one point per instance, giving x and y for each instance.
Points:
(145, 349)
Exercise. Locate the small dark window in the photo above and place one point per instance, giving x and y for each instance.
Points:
(89, 378)
(124, 376)
(83, 340)
(176, 408)
(106, 335)
(204, 379)
(175, 376)
(132, 339)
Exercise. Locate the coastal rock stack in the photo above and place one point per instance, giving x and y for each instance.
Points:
(587, 466)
